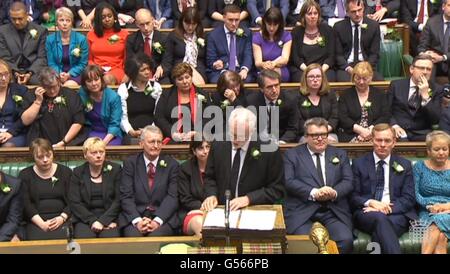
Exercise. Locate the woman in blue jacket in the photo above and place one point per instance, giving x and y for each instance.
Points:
(67, 50)
(102, 106)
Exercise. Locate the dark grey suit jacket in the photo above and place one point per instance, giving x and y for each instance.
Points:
(11, 207)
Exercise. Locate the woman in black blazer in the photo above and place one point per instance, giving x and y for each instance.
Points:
(191, 187)
(312, 42)
(185, 99)
(94, 193)
(45, 194)
(187, 43)
(361, 107)
(11, 207)
(316, 100)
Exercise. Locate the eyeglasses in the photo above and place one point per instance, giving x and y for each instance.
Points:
(155, 142)
(314, 77)
(4, 75)
(316, 136)
(423, 68)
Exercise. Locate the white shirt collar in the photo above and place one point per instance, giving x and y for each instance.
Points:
(312, 153)
(244, 147)
(151, 36)
(376, 158)
(147, 161)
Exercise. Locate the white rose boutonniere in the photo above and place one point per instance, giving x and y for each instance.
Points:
(256, 153)
(54, 181)
(225, 103)
(149, 90)
(201, 98)
(17, 99)
(240, 32)
(335, 160)
(201, 42)
(363, 26)
(321, 41)
(5, 188)
(306, 104)
(33, 33)
(279, 102)
(162, 163)
(397, 167)
(158, 47)
(76, 51)
(280, 44)
(367, 105)
(60, 100)
(89, 106)
(107, 168)
(113, 39)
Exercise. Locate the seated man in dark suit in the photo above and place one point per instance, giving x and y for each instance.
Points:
(271, 98)
(444, 122)
(435, 40)
(383, 198)
(318, 184)
(147, 40)
(22, 45)
(11, 207)
(378, 10)
(332, 9)
(229, 48)
(148, 191)
(415, 103)
(257, 8)
(253, 172)
(358, 39)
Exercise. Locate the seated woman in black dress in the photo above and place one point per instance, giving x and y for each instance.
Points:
(191, 187)
(361, 107)
(12, 130)
(11, 207)
(139, 97)
(94, 193)
(312, 42)
(55, 113)
(185, 99)
(186, 43)
(316, 100)
(45, 194)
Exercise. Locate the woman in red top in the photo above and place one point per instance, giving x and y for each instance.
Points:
(107, 44)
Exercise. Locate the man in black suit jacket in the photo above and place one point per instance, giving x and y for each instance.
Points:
(135, 43)
(409, 14)
(369, 41)
(148, 191)
(272, 101)
(318, 193)
(415, 102)
(383, 198)
(11, 206)
(251, 171)
(432, 41)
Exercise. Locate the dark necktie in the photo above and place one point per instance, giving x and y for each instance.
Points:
(151, 175)
(446, 37)
(380, 181)
(269, 120)
(147, 48)
(319, 168)
(414, 100)
(232, 63)
(235, 171)
(356, 44)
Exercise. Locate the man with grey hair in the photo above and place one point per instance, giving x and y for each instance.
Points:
(148, 190)
(241, 165)
(318, 184)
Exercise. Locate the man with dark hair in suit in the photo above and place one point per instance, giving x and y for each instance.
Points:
(162, 11)
(358, 39)
(229, 48)
(22, 45)
(253, 174)
(383, 198)
(318, 184)
(271, 97)
(148, 190)
(257, 8)
(148, 41)
(435, 41)
(415, 103)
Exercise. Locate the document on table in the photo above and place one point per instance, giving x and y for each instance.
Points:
(257, 219)
(216, 217)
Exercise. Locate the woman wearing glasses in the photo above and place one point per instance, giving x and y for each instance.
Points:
(316, 100)
(361, 107)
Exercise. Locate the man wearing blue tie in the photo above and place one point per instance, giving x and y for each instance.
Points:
(383, 198)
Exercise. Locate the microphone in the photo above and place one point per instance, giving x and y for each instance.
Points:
(227, 216)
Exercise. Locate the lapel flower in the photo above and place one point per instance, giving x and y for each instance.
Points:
(201, 42)
(335, 160)
(321, 41)
(54, 181)
(60, 100)
(162, 163)
(201, 98)
(224, 104)
(107, 168)
(76, 51)
(17, 99)
(113, 39)
(363, 26)
(239, 32)
(256, 153)
(158, 47)
(435, 2)
(306, 104)
(280, 44)
(397, 167)
(279, 102)
(430, 92)
(33, 33)
(149, 90)
(5, 188)
(367, 105)
(89, 106)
